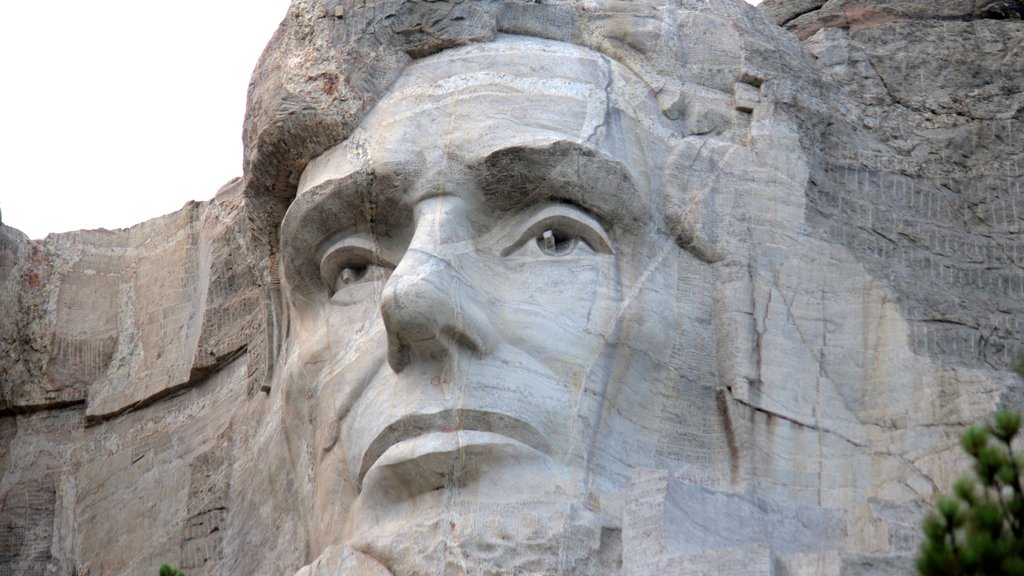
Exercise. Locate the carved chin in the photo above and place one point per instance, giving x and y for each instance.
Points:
(494, 538)
(444, 500)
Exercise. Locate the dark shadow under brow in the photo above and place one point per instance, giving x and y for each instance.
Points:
(368, 202)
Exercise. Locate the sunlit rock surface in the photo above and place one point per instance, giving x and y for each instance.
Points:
(623, 288)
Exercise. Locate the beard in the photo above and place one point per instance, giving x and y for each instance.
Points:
(463, 535)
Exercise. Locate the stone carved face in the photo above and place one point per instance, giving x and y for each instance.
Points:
(483, 295)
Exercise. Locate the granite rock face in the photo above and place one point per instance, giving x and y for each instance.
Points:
(566, 287)
(805, 17)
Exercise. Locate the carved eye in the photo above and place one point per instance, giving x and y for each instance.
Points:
(350, 263)
(350, 275)
(554, 242)
(562, 230)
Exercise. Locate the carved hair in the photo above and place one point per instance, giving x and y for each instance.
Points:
(330, 62)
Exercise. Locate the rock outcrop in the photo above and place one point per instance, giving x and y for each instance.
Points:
(805, 17)
(839, 187)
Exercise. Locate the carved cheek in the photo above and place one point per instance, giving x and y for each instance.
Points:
(551, 309)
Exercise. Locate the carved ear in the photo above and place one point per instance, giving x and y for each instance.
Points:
(693, 210)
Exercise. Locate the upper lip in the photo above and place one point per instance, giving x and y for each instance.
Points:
(450, 420)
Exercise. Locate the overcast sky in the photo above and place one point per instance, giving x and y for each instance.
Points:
(117, 111)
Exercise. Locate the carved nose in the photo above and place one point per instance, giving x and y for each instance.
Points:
(429, 310)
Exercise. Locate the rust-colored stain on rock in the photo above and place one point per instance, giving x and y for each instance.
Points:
(39, 271)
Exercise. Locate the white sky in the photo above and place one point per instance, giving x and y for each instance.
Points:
(117, 111)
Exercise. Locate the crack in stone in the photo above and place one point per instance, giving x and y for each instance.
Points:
(607, 101)
(799, 423)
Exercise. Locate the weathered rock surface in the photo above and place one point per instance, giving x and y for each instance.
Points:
(118, 319)
(158, 321)
(831, 287)
(805, 17)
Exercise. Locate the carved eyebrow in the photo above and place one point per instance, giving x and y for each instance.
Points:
(358, 202)
(516, 177)
(325, 208)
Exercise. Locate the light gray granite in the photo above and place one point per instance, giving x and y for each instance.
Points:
(572, 287)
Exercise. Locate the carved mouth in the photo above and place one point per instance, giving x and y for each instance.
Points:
(450, 421)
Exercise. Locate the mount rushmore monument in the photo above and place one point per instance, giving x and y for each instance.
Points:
(646, 287)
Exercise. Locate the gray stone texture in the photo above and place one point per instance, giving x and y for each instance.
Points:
(805, 17)
(844, 194)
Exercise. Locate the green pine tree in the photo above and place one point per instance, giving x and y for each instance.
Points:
(166, 570)
(979, 529)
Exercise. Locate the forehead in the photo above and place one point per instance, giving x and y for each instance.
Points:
(465, 105)
(507, 96)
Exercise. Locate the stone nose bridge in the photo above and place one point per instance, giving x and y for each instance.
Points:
(429, 309)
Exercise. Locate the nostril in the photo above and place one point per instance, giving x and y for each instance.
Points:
(430, 313)
(398, 355)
